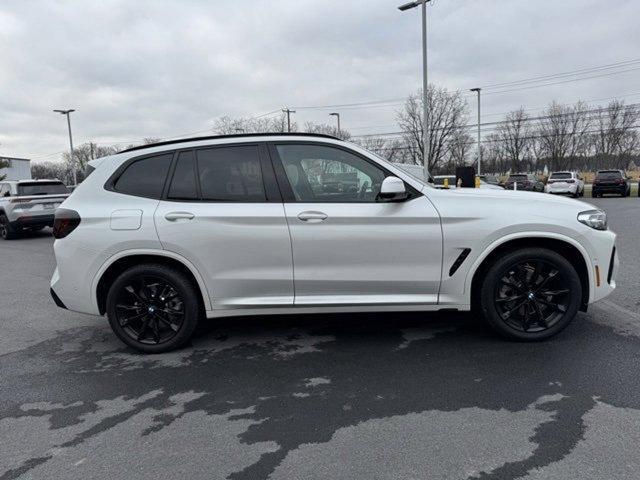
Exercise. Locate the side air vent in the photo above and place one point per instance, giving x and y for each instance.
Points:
(461, 258)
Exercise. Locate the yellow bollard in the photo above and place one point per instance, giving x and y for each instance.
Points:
(477, 182)
(446, 183)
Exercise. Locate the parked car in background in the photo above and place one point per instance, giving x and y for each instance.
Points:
(611, 181)
(438, 181)
(525, 181)
(161, 236)
(565, 183)
(490, 179)
(29, 205)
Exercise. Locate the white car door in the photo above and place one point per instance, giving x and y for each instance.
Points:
(222, 211)
(348, 247)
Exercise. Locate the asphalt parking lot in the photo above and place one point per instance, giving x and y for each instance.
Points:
(390, 396)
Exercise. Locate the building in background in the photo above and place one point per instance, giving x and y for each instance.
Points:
(18, 169)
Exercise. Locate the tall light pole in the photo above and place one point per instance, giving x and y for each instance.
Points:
(337, 115)
(288, 112)
(478, 90)
(425, 84)
(73, 161)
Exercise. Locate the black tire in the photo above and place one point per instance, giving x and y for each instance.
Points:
(153, 308)
(594, 194)
(514, 290)
(7, 232)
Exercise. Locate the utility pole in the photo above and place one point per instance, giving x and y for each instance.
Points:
(425, 84)
(288, 112)
(478, 90)
(73, 160)
(337, 115)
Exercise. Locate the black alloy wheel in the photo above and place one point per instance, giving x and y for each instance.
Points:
(153, 308)
(531, 294)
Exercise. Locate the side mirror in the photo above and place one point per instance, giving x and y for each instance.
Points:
(392, 190)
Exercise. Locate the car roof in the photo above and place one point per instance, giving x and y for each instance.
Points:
(241, 136)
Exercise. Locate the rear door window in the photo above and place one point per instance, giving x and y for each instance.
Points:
(183, 184)
(231, 174)
(145, 177)
(42, 188)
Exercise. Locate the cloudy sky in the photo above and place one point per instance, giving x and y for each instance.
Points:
(161, 68)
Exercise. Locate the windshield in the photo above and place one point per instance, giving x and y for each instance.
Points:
(560, 176)
(517, 178)
(42, 188)
(608, 175)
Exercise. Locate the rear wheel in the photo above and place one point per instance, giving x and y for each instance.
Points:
(530, 294)
(6, 230)
(153, 308)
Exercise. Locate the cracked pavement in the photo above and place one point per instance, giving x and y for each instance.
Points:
(384, 396)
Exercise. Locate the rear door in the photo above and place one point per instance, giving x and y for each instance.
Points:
(222, 211)
(349, 248)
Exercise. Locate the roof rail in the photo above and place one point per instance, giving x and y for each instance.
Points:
(237, 135)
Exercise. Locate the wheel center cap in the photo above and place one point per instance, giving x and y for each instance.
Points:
(151, 309)
(530, 296)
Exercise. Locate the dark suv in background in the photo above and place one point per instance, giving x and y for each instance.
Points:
(611, 181)
(525, 181)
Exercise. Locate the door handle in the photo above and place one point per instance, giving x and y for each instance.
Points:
(173, 216)
(312, 217)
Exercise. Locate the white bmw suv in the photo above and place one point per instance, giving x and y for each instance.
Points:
(161, 236)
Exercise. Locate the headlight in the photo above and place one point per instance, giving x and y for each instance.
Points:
(594, 218)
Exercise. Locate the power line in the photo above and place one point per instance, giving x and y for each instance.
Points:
(563, 74)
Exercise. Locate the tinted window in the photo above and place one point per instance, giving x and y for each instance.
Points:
(325, 174)
(609, 175)
(560, 176)
(183, 183)
(231, 174)
(42, 188)
(145, 178)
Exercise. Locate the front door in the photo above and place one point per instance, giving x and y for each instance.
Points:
(348, 247)
(222, 211)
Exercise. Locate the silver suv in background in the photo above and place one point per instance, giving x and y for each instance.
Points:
(565, 183)
(29, 205)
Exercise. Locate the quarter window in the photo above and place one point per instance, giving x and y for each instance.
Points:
(329, 175)
(146, 177)
(183, 183)
(231, 174)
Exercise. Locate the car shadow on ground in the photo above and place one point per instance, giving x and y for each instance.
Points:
(302, 378)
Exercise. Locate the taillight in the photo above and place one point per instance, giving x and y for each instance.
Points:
(65, 222)
(571, 181)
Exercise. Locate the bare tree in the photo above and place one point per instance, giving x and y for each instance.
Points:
(392, 150)
(89, 151)
(3, 164)
(563, 134)
(326, 129)
(516, 135)
(615, 138)
(228, 125)
(448, 112)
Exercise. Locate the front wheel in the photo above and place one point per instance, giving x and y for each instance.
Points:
(153, 308)
(530, 294)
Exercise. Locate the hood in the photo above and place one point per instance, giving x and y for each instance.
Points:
(519, 197)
